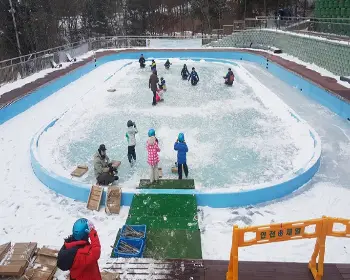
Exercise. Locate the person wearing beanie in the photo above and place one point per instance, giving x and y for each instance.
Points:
(181, 147)
(80, 256)
(130, 136)
(105, 173)
(153, 158)
(153, 85)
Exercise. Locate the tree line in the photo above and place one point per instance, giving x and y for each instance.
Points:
(43, 24)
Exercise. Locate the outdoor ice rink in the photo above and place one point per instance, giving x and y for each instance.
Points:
(238, 137)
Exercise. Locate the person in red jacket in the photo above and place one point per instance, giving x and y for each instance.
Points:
(78, 255)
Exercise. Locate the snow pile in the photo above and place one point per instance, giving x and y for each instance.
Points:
(21, 82)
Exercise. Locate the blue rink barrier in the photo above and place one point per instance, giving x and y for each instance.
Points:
(219, 199)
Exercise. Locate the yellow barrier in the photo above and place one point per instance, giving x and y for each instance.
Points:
(316, 228)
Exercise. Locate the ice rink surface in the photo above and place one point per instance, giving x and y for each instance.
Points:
(236, 139)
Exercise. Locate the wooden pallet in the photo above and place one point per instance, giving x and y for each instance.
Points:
(105, 275)
(95, 197)
(110, 275)
(114, 195)
(143, 269)
(17, 260)
(4, 248)
(44, 266)
(79, 171)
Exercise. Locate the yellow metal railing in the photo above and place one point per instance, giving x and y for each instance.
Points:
(316, 228)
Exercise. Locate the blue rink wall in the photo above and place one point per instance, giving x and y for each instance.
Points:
(80, 191)
(340, 107)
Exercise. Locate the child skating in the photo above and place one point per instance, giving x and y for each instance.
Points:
(181, 147)
(153, 158)
(130, 136)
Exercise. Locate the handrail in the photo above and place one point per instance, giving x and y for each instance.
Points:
(23, 57)
(315, 228)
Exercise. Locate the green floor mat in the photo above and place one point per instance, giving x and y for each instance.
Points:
(173, 244)
(157, 222)
(170, 205)
(167, 184)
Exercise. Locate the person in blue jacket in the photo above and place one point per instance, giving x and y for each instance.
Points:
(181, 147)
(162, 84)
(193, 77)
(184, 72)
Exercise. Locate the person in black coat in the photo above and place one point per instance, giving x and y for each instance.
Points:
(142, 61)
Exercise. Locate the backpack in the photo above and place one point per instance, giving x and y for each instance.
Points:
(65, 257)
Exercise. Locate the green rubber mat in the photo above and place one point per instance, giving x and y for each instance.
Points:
(172, 225)
(156, 222)
(169, 205)
(167, 184)
(173, 244)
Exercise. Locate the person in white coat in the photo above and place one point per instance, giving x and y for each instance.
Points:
(130, 136)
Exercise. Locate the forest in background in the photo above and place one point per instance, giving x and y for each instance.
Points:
(44, 24)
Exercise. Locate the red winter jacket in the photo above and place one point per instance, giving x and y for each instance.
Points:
(85, 264)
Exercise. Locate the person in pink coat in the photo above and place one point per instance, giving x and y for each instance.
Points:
(153, 158)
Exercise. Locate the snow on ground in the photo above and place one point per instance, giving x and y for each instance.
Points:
(29, 211)
(327, 193)
(312, 66)
(231, 114)
(21, 82)
(311, 36)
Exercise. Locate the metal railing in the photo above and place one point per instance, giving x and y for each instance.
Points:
(23, 66)
(321, 26)
(20, 67)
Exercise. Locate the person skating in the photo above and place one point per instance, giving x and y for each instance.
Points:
(153, 158)
(184, 72)
(80, 256)
(193, 77)
(105, 173)
(181, 147)
(153, 82)
(130, 136)
(142, 61)
(167, 64)
(229, 78)
(153, 66)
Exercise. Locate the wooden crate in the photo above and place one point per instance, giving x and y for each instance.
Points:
(4, 248)
(79, 171)
(114, 195)
(95, 197)
(18, 259)
(44, 266)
